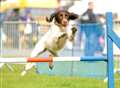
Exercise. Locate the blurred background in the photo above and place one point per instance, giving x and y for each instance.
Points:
(22, 23)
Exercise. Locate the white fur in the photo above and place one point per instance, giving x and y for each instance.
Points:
(51, 41)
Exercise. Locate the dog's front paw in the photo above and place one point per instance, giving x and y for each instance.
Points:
(74, 30)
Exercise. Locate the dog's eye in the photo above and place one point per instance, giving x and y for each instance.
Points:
(66, 15)
(61, 15)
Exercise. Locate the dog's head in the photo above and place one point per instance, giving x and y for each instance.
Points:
(62, 17)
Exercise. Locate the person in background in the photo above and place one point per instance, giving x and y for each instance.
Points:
(102, 26)
(90, 27)
(29, 30)
(3, 36)
(13, 18)
(2, 16)
(89, 16)
(15, 15)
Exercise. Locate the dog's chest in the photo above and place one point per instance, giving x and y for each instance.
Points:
(57, 39)
(56, 44)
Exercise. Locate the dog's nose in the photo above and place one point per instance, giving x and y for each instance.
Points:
(65, 21)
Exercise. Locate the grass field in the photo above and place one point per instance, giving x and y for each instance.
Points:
(9, 79)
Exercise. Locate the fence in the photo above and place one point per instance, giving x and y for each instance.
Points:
(14, 40)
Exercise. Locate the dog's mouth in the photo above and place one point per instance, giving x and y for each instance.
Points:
(64, 23)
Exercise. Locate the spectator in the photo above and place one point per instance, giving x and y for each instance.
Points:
(102, 20)
(28, 19)
(92, 31)
(101, 32)
(14, 32)
(89, 16)
(3, 36)
(26, 38)
(14, 16)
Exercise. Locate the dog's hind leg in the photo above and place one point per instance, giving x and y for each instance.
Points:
(39, 49)
(53, 53)
(51, 63)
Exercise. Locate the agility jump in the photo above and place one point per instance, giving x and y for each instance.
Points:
(111, 37)
(52, 59)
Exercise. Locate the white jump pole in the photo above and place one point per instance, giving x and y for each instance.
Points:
(52, 59)
(49, 59)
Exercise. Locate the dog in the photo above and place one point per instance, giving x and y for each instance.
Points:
(56, 37)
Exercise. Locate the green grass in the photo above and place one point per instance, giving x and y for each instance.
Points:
(9, 79)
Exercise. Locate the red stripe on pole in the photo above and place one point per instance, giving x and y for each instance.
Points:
(49, 59)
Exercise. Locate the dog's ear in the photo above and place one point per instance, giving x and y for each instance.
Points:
(73, 16)
(50, 19)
